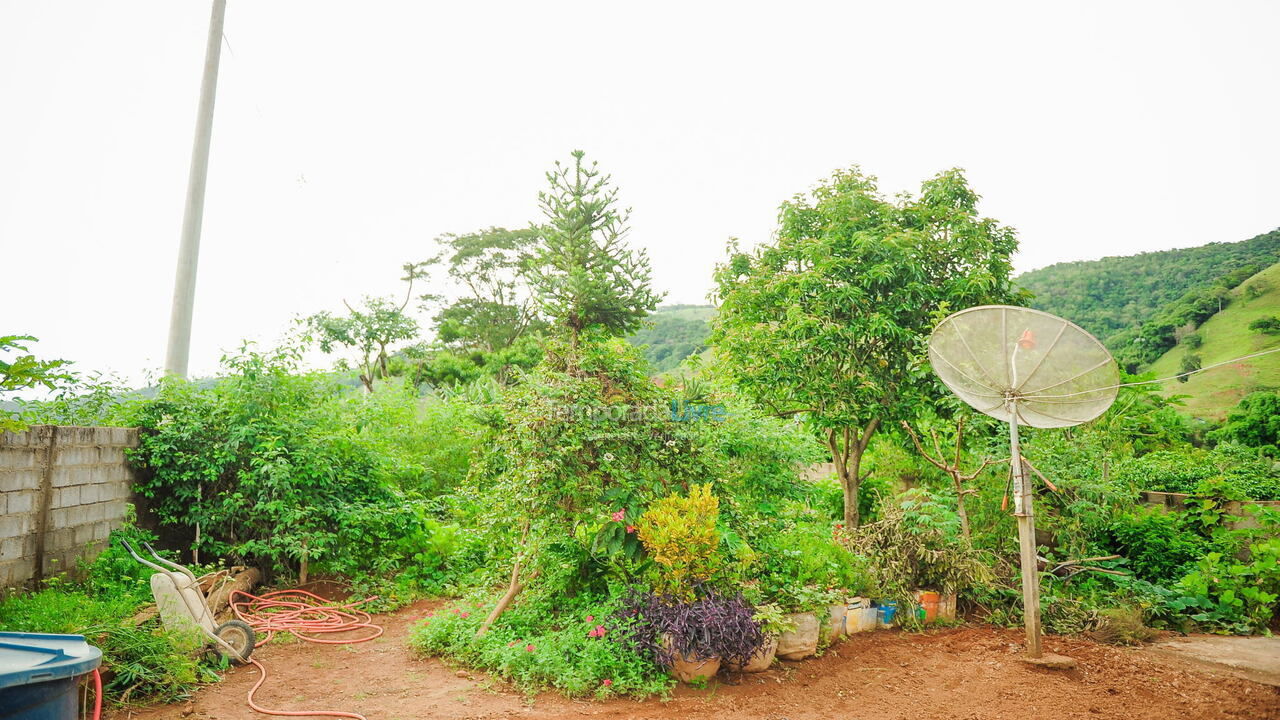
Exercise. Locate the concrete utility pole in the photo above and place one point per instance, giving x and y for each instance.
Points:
(184, 284)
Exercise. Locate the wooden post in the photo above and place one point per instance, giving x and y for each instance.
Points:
(1024, 511)
(46, 499)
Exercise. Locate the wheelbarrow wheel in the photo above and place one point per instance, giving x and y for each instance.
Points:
(239, 636)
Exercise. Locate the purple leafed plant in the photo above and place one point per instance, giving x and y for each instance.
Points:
(711, 626)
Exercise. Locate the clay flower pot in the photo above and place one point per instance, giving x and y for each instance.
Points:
(761, 660)
(687, 668)
(802, 642)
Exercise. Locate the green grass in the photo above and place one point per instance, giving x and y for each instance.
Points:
(1227, 335)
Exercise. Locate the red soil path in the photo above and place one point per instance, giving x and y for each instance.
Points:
(970, 673)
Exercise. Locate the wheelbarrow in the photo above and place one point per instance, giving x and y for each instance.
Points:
(184, 609)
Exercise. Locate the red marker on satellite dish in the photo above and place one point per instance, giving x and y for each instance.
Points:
(1027, 341)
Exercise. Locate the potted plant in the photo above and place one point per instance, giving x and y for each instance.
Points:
(773, 623)
(692, 638)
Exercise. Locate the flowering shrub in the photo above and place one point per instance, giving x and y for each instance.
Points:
(570, 648)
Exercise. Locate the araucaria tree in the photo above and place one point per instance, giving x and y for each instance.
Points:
(830, 320)
(585, 277)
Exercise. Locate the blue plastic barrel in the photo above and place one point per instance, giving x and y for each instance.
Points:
(39, 674)
(886, 611)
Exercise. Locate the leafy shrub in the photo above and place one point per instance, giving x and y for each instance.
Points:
(276, 466)
(680, 535)
(805, 568)
(541, 645)
(1269, 325)
(915, 544)
(1233, 595)
(1182, 470)
(1158, 546)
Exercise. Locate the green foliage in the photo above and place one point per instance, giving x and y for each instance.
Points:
(1113, 297)
(1159, 546)
(21, 371)
(1269, 325)
(830, 319)
(94, 401)
(1233, 595)
(1190, 363)
(916, 544)
(547, 644)
(802, 568)
(492, 265)
(369, 331)
(679, 532)
(1255, 422)
(277, 465)
(583, 422)
(674, 333)
(1244, 470)
(586, 279)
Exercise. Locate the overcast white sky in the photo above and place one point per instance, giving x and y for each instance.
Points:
(348, 135)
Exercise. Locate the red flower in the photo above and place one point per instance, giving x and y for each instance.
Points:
(591, 618)
(529, 647)
(511, 644)
(631, 529)
(606, 682)
(466, 614)
(619, 516)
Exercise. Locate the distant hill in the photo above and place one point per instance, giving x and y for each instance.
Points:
(1115, 296)
(675, 332)
(1224, 336)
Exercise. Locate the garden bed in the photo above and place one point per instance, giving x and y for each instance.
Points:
(970, 672)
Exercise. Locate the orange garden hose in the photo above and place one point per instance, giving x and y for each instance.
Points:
(306, 615)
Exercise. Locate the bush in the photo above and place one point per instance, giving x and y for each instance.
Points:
(556, 644)
(1269, 325)
(680, 535)
(1244, 469)
(276, 466)
(1158, 546)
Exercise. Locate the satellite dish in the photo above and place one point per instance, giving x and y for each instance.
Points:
(1024, 367)
(1002, 359)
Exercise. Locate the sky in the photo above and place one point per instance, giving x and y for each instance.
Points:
(348, 135)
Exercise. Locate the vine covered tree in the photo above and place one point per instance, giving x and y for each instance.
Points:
(829, 320)
(585, 277)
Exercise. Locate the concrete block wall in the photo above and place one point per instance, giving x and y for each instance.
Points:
(62, 491)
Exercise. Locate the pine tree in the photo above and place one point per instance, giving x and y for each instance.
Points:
(587, 280)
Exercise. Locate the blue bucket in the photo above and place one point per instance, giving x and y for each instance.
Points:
(39, 674)
(887, 611)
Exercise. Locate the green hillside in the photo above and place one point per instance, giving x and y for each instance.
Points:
(1224, 336)
(1113, 297)
(674, 333)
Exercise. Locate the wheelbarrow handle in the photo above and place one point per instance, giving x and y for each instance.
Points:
(170, 563)
(139, 558)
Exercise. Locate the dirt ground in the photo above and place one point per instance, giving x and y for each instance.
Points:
(970, 673)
